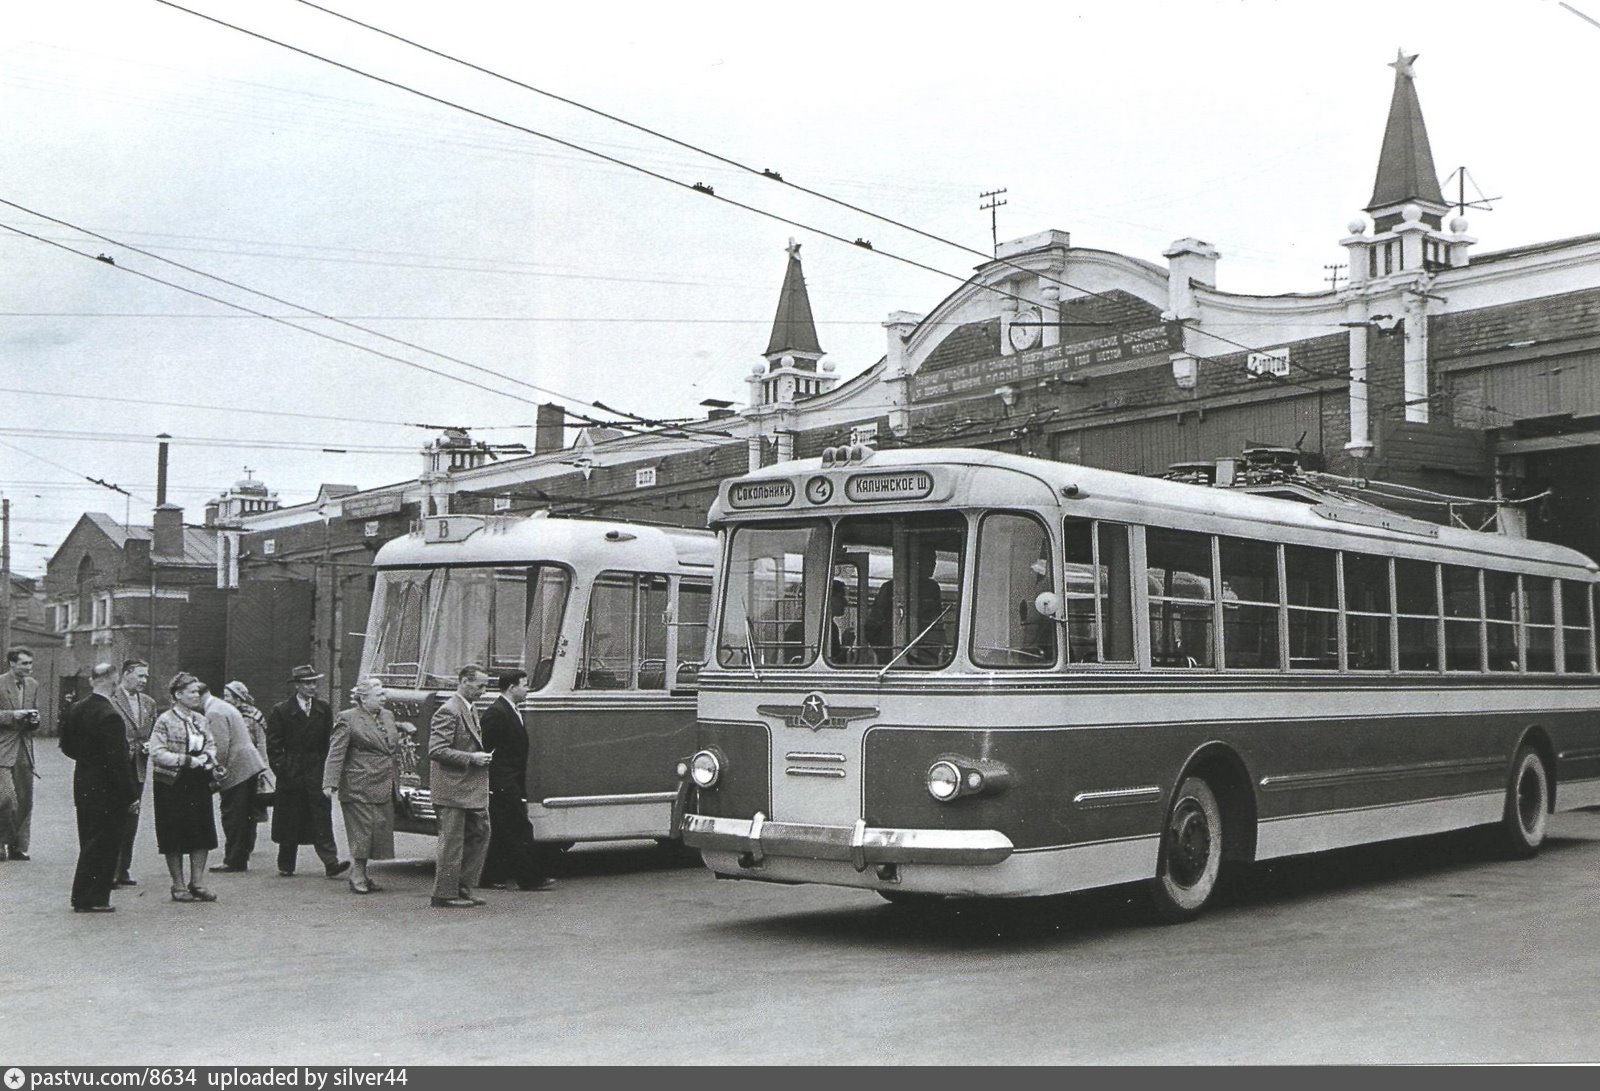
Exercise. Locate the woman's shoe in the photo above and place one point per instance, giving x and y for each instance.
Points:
(181, 894)
(372, 886)
(201, 894)
(358, 887)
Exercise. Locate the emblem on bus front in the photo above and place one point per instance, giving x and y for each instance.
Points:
(814, 714)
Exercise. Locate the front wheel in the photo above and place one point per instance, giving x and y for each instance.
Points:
(1190, 857)
(1527, 811)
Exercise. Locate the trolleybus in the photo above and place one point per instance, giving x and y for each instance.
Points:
(959, 672)
(607, 618)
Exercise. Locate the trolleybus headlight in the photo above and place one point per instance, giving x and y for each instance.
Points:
(705, 769)
(944, 781)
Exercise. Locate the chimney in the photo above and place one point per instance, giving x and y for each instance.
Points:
(161, 470)
(168, 531)
(549, 428)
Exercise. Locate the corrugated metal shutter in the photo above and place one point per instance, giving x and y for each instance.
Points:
(1150, 446)
(269, 634)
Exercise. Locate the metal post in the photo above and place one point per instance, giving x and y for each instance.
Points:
(5, 573)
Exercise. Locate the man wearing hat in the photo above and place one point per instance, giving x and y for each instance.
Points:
(297, 749)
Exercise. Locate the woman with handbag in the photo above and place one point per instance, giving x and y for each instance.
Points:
(183, 761)
(363, 770)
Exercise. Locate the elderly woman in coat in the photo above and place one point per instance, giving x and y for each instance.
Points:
(183, 757)
(363, 770)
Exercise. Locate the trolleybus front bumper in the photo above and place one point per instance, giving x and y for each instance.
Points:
(861, 845)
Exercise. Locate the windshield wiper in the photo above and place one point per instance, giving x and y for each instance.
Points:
(750, 648)
(912, 643)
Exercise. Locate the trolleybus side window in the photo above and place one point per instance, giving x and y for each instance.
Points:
(625, 638)
(550, 586)
(1575, 627)
(1013, 568)
(1501, 618)
(1182, 604)
(653, 632)
(1539, 614)
(773, 573)
(1463, 612)
(1312, 582)
(1099, 592)
(1250, 604)
(694, 611)
(1416, 587)
(1367, 614)
(911, 621)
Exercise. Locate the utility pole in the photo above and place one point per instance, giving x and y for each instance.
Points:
(1334, 275)
(5, 572)
(993, 198)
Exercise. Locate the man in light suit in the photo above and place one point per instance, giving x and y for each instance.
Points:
(19, 719)
(459, 784)
(138, 712)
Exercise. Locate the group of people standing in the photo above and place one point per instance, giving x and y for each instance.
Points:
(297, 759)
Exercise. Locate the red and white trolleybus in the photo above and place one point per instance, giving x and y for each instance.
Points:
(957, 672)
(607, 618)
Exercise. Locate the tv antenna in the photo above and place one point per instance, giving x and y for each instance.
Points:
(1461, 178)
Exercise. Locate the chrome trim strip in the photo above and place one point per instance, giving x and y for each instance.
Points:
(1579, 755)
(804, 771)
(557, 802)
(845, 844)
(1332, 777)
(813, 755)
(1117, 797)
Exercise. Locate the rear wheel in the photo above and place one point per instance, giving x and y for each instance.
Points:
(1522, 827)
(1190, 857)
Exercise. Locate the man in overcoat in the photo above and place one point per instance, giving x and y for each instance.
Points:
(19, 719)
(103, 789)
(138, 712)
(297, 750)
(512, 854)
(459, 784)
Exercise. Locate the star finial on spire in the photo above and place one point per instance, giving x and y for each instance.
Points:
(1402, 63)
(793, 249)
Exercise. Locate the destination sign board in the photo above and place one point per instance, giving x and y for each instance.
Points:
(900, 485)
(1042, 363)
(761, 494)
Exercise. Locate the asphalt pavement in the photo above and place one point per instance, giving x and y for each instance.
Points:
(1428, 950)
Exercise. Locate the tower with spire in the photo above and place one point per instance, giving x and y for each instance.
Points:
(794, 368)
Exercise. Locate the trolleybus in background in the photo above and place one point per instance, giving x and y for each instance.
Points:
(957, 672)
(607, 618)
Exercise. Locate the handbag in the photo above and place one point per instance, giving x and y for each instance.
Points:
(266, 788)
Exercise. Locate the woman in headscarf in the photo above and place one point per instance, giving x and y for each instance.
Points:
(363, 770)
(238, 695)
(183, 757)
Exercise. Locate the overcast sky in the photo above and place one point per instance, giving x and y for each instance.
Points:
(1252, 125)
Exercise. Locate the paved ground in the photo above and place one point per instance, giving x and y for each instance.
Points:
(1420, 951)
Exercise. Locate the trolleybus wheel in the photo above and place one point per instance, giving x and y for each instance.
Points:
(1522, 828)
(1190, 857)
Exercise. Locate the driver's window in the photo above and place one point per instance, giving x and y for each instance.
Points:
(1014, 568)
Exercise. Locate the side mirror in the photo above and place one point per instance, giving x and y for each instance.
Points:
(1048, 603)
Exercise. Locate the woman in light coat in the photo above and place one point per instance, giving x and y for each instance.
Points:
(183, 757)
(363, 770)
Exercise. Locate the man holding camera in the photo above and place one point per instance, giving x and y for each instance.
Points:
(19, 719)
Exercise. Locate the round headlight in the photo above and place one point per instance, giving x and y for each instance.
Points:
(705, 769)
(944, 781)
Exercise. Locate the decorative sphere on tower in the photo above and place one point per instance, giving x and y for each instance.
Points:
(1411, 213)
(1458, 225)
(1357, 227)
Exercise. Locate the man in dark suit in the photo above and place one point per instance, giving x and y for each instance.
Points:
(103, 789)
(458, 781)
(19, 719)
(138, 712)
(512, 855)
(297, 748)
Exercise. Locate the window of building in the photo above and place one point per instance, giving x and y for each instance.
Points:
(1013, 568)
(102, 611)
(1312, 582)
(1182, 601)
(1250, 603)
(1367, 613)
(1416, 596)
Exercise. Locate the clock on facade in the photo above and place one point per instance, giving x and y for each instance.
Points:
(1025, 329)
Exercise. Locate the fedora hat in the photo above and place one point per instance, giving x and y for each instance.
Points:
(307, 673)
